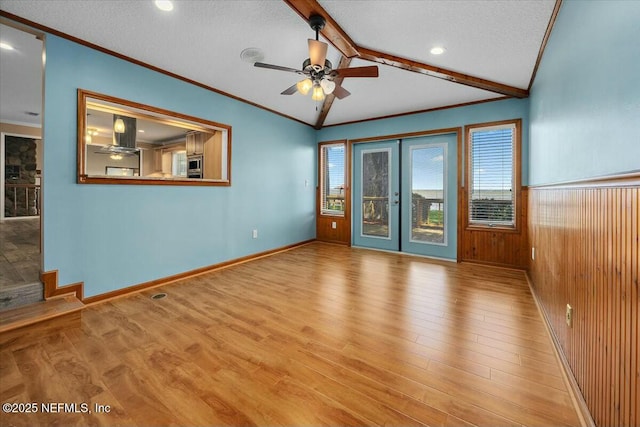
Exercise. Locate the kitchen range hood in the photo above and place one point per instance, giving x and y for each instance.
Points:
(124, 136)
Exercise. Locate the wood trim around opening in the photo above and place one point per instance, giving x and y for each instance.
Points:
(501, 246)
(431, 132)
(152, 113)
(517, 175)
(324, 230)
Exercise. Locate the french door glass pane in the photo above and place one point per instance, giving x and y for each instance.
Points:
(375, 193)
(427, 194)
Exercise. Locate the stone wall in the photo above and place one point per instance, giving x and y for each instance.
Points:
(20, 168)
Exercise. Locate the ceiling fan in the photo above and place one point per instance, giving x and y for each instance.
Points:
(318, 71)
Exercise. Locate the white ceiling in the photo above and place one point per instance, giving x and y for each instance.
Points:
(202, 40)
(20, 78)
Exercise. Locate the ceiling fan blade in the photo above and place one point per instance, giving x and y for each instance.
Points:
(340, 92)
(277, 67)
(290, 90)
(370, 71)
(317, 52)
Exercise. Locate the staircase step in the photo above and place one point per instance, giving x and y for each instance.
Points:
(12, 297)
(38, 312)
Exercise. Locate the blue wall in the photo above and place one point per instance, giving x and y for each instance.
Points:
(585, 101)
(441, 119)
(584, 113)
(114, 236)
(448, 118)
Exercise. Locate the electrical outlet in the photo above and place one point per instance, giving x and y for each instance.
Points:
(255, 234)
(569, 316)
(334, 225)
(533, 252)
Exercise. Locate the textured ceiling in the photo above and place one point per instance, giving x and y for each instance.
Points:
(20, 77)
(202, 41)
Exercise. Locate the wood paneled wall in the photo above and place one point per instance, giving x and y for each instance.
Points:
(493, 246)
(586, 254)
(326, 233)
(324, 223)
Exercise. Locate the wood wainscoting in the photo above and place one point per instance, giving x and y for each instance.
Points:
(340, 234)
(585, 237)
(503, 248)
(335, 228)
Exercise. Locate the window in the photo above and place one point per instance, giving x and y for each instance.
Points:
(332, 178)
(179, 163)
(493, 174)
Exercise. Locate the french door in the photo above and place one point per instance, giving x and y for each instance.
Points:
(405, 195)
(376, 184)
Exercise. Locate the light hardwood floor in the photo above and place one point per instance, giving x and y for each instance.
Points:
(318, 335)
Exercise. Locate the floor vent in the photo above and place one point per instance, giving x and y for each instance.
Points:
(158, 296)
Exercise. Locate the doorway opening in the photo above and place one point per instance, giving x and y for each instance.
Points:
(405, 194)
(21, 163)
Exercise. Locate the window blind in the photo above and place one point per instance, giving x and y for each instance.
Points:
(492, 199)
(332, 191)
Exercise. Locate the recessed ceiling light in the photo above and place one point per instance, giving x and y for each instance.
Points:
(141, 130)
(437, 50)
(5, 46)
(164, 5)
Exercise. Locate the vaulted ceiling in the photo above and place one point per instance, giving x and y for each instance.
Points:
(492, 47)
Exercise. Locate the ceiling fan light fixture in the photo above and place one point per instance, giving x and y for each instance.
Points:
(304, 86)
(317, 53)
(327, 86)
(318, 93)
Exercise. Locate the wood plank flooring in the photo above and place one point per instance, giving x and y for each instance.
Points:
(38, 312)
(318, 335)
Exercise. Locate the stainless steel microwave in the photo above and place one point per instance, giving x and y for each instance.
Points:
(194, 163)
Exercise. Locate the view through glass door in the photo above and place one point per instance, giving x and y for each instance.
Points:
(376, 195)
(405, 195)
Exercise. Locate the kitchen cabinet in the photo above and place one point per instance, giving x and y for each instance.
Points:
(213, 156)
(157, 160)
(167, 158)
(195, 143)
